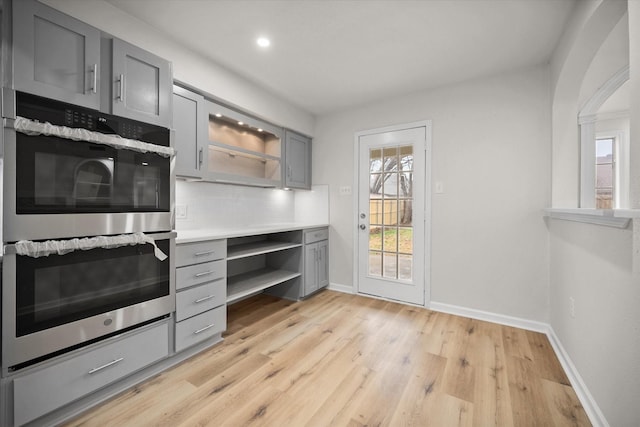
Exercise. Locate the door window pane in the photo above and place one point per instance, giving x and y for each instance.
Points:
(390, 265)
(390, 206)
(375, 263)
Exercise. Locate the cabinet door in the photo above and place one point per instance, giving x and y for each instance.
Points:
(55, 55)
(310, 268)
(323, 264)
(190, 124)
(298, 161)
(142, 85)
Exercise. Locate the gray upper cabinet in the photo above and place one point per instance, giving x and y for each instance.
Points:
(190, 120)
(55, 55)
(141, 84)
(297, 170)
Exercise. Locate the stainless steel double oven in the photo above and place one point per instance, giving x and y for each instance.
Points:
(87, 227)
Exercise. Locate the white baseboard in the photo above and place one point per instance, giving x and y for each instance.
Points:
(586, 399)
(588, 402)
(501, 319)
(341, 288)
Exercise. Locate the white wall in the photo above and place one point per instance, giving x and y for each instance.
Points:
(598, 266)
(189, 67)
(594, 265)
(491, 151)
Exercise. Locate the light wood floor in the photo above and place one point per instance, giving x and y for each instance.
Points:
(346, 360)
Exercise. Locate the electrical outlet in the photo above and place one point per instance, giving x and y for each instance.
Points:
(572, 307)
(181, 211)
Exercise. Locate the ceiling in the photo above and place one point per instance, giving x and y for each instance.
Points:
(327, 55)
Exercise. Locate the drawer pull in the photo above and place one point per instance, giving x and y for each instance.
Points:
(204, 273)
(204, 299)
(204, 329)
(204, 253)
(100, 368)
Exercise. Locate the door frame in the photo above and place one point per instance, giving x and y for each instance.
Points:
(427, 202)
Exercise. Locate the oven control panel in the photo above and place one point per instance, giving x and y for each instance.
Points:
(62, 114)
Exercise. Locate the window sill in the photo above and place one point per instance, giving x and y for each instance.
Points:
(618, 218)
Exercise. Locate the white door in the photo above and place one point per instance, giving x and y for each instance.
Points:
(391, 213)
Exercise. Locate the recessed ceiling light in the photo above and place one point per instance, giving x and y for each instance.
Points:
(240, 123)
(259, 129)
(263, 42)
(218, 115)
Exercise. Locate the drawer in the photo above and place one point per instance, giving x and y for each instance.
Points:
(315, 235)
(47, 389)
(200, 273)
(200, 298)
(198, 328)
(195, 253)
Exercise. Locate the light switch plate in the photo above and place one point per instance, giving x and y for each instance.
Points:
(345, 190)
(439, 187)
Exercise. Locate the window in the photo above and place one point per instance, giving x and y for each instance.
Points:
(604, 145)
(605, 173)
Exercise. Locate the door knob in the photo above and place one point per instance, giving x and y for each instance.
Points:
(363, 227)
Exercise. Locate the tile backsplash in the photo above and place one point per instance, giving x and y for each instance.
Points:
(210, 205)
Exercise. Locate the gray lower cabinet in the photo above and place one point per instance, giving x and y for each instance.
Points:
(297, 170)
(201, 292)
(190, 120)
(42, 391)
(55, 55)
(316, 260)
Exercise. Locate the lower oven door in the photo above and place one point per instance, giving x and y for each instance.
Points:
(60, 189)
(58, 302)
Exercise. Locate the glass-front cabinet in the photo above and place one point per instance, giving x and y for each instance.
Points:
(242, 149)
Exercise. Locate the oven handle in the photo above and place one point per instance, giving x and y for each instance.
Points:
(32, 128)
(62, 247)
(106, 365)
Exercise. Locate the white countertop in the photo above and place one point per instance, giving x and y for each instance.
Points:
(191, 236)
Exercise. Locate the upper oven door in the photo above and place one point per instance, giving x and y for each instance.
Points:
(60, 186)
(57, 188)
(59, 176)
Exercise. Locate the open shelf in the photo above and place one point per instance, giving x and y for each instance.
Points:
(232, 150)
(257, 248)
(248, 283)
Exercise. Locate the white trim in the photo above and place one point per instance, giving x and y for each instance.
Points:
(589, 404)
(588, 165)
(487, 316)
(586, 399)
(603, 93)
(338, 287)
(607, 115)
(587, 118)
(618, 218)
